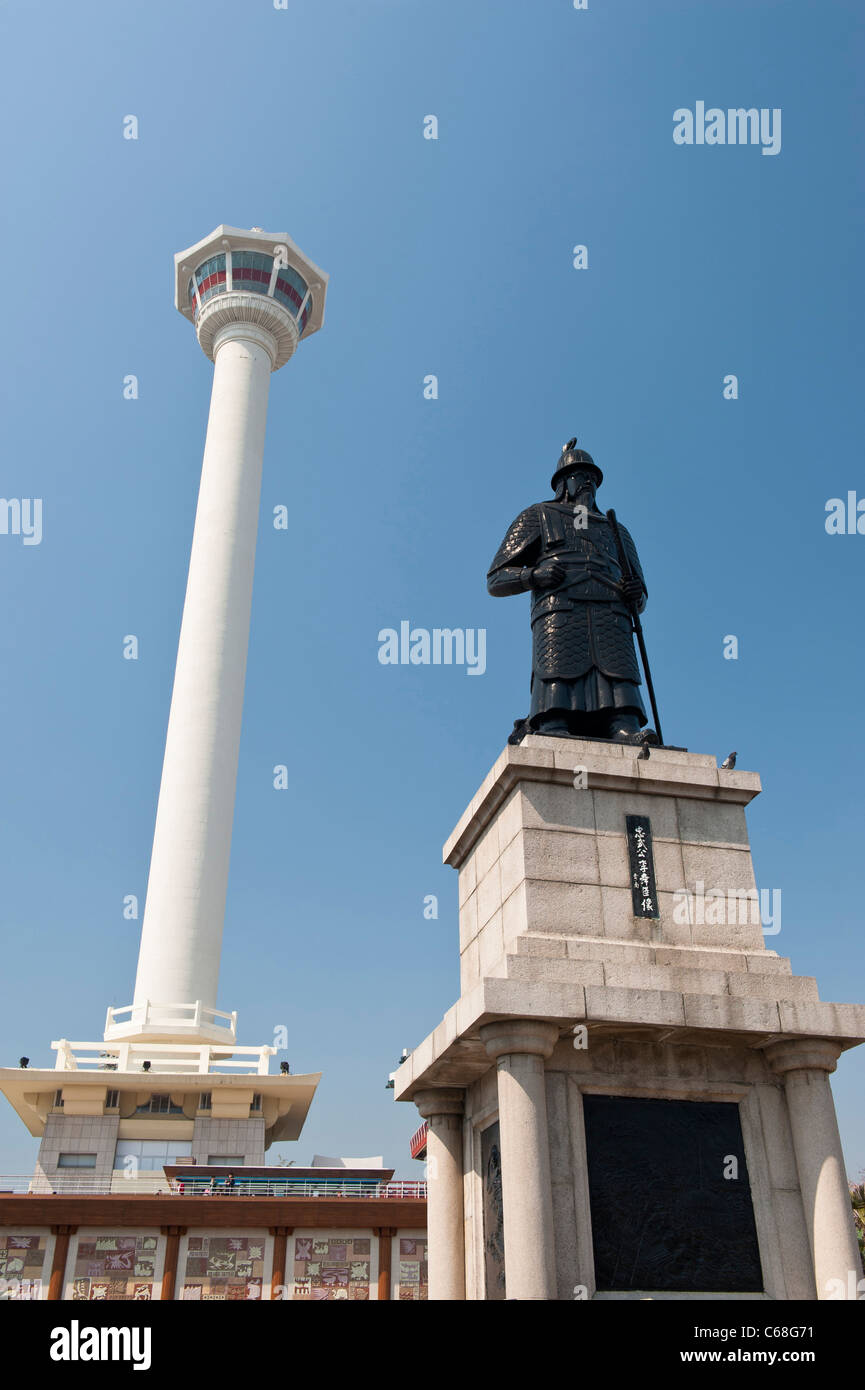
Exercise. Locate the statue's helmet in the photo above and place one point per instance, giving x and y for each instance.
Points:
(572, 460)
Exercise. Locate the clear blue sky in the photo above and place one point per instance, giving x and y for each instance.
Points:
(450, 257)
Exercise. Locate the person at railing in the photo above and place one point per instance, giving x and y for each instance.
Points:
(229, 1183)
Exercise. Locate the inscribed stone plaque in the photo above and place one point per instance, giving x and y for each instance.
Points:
(670, 1196)
(644, 893)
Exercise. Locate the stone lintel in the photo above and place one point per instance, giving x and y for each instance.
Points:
(455, 1054)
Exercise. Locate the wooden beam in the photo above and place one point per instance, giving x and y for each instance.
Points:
(385, 1265)
(280, 1248)
(169, 1270)
(254, 1213)
(56, 1283)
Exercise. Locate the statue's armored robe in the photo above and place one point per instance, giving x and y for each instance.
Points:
(583, 658)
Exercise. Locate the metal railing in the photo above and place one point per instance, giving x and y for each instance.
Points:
(327, 1187)
(417, 1143)
(171, 1058)
(83, 1184)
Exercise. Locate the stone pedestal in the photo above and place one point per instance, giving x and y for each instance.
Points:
(566, 993)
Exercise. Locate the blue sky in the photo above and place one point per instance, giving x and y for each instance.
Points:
(451, 257)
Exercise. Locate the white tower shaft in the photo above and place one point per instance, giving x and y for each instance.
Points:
(182, 931)
(252, 296)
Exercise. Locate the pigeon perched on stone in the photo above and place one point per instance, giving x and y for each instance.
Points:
(729, 762)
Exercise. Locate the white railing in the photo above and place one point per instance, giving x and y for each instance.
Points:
(82, 1184)
(74, 1183)
(197, 1058)
(169, 1018)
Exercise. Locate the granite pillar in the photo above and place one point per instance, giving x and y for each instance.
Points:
(519, 1048)
(443, 1108)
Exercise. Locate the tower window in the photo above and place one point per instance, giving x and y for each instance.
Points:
(290, 289)
(250, 270)
(159, 1105)
(210, 277)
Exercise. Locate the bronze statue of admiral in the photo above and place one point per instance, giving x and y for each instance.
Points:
(586, 581)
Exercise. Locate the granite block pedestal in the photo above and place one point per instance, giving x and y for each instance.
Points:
(623, 1105)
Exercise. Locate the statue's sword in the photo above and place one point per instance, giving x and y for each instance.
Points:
(628, 573)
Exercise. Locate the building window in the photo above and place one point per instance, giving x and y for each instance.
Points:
(226, 1160)
(150, 1155)
(205, 1101)
(112, 1100)
(256, 1101)
(76, 1161)
(159, 1105)
(58, 1100)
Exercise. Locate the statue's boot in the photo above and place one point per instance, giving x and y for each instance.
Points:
(555, 724)
(625, 728)
(646, 736)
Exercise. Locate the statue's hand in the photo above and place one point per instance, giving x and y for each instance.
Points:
(632, 591)
(548, 575)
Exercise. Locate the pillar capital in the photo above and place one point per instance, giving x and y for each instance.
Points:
(803, 1054)
(509, 1035)
(443, 1100)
